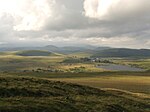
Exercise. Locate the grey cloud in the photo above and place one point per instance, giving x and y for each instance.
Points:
(68, 20)
(6, 27)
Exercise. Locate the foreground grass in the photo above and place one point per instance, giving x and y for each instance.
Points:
(18, 94)
(131, 81)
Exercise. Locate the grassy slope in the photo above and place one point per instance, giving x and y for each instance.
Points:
(130, 81)
(13, 62)
(122, 52)
(35, 53)
(136, 82)
(26, 94)
(139, 84)
(81, 54)
(38, 95)
(142, 63)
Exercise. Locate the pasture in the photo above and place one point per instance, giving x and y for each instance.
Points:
(67, 83)
(18, 94)
(85, 73)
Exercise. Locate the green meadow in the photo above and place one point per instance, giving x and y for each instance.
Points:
(68, 83)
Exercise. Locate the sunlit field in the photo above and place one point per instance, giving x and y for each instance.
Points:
(85, 73)
(74, 55)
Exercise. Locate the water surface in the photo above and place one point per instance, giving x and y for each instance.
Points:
(115, 67)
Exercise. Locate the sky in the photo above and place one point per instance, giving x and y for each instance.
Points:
(114, 23)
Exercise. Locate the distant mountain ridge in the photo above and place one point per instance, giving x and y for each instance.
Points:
(93, 50)
(122, 52)
(51, 48)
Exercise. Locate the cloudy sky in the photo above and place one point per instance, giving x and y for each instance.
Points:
(115, 23)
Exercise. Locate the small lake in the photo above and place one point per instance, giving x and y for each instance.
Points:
(115, 67)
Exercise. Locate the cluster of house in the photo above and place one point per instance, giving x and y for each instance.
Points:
(92, 59)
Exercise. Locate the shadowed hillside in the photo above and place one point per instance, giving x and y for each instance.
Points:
(35, 53)
(122, 52)
(37, 95)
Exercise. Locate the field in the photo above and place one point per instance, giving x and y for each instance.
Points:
(36, 95)
(142, 63)
(40, 83)
(133, 82)
(130, 83)
(71, 69)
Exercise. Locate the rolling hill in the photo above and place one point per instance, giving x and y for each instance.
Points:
(51, 48)
(35, 53)
(18, 94)
(122, 52)
(80, 50)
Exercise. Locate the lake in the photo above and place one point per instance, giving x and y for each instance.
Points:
(115, 67)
